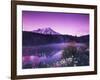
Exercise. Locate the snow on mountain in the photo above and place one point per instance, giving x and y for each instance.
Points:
(46, 31)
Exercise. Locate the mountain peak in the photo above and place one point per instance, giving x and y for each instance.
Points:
(47, 30)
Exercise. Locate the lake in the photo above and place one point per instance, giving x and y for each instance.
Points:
(51, 55)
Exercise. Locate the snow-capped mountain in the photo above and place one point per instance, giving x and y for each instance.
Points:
(46, 31)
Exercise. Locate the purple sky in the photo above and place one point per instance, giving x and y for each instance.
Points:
(64, 23)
